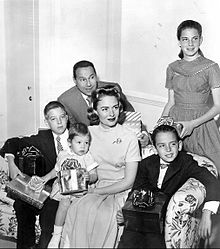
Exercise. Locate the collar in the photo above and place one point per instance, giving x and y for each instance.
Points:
(162, 162)
(84, 97)
(63, 135)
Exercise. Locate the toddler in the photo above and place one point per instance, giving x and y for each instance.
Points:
(77, 156)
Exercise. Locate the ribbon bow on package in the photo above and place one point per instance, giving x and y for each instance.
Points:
(167, 120)
(36, 183)
(143, 198)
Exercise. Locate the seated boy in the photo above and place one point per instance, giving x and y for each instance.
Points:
(56, 120)
(167, 172)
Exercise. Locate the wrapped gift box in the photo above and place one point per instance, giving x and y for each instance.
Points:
(19, 188)
(72, 181)
(145, 220)
(132, 120)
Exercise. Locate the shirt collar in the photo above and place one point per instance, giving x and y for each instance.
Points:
(84, 97)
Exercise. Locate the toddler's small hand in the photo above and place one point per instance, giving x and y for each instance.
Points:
(87, 176)
(120, 217)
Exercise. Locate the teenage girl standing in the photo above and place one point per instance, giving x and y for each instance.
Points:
(190, 81)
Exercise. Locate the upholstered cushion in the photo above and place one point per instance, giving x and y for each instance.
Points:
(183, 215)
(8, 221)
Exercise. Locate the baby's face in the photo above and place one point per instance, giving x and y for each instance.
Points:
(167, 146)
(80, 144)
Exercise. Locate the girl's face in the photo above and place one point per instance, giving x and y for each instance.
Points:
(190, 42)
(108, 111)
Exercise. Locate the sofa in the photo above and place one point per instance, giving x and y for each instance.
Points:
(182, 216)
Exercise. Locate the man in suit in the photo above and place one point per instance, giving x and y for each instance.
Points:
(167, 172)
(45, 141)
(76, 100)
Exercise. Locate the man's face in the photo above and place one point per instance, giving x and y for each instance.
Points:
(167, 146)
(86, 80)
(57, 119)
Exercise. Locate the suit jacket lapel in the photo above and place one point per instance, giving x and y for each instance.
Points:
(49, 147)
(154, 170)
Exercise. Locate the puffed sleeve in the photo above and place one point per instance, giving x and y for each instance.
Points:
(90, 161)
(133, 151)
(214, 76)
(169, 78)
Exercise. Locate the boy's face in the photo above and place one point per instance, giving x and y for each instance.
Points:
(57, 119)
(80, 144)
(167, 146)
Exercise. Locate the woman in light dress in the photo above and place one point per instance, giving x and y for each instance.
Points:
(91, 220)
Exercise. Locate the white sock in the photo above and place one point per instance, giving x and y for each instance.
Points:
(57, 229)
(55, 240)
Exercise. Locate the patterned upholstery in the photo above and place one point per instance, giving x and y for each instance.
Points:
(8, 221)
(183, 213)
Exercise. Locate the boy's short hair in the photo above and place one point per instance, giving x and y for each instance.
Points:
(79, 129)
(53, 105)
(164, 128)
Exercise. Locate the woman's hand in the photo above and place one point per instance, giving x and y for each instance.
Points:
(205, 224)
(188, 127)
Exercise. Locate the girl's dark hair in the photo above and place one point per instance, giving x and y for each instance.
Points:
(97, 95)
(81, 64)
(78, 129)
(164, 128)
(53, 105)
(185, 25)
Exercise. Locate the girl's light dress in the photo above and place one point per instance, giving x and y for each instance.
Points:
(192, 82)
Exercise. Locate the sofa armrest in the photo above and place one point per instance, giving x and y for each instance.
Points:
(189, 197)
(181, 223)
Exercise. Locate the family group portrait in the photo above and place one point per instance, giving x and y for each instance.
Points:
(110, 124)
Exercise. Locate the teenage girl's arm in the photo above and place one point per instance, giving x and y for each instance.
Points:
(188, 126)
(124, 184)
(169, 103)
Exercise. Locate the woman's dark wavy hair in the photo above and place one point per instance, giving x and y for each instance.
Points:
(164, 128)
(97, 95)
(189, 24)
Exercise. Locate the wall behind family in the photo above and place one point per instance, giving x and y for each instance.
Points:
(129, 41)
